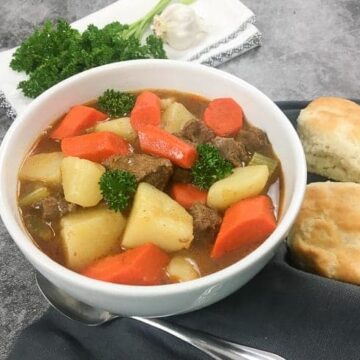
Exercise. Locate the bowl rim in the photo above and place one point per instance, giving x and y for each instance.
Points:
(35, 255)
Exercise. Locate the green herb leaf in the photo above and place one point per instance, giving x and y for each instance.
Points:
(117, 188)
(116, 103)
(155, 47)
(210, 167)
(55, 52)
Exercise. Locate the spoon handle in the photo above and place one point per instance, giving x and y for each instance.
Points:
(216, 348)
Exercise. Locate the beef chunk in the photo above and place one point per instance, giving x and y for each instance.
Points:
(196, 132)
(254, 139)
(206, 222)
(232, 150)
(155, 171)
(53, 207)
(182, 175)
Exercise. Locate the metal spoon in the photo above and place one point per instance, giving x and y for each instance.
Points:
(215, 347)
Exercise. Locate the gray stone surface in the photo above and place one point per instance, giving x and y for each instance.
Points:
(310, 48)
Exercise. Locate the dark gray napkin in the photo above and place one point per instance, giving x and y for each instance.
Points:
(297, 315)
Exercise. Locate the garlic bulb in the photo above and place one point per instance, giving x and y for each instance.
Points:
(179, 26)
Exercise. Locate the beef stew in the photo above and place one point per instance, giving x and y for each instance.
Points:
(66, 211)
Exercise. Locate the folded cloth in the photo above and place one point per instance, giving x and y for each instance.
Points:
(229, 26)
(283, 310)
(297, 315)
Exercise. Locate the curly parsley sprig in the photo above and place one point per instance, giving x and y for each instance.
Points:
(55, 52)
(210, 167)
(117, 188)
(116, 103)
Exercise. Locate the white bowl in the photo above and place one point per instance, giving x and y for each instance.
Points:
(157, 74)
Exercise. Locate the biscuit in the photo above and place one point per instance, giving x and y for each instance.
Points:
(329, 129)
(325, 238)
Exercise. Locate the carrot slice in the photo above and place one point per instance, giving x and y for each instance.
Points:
(144, 265)
(95, 146)
(224, 116)
(158, 142)
(247, 222)
(78, 119)
(187, 194)
(146, 111)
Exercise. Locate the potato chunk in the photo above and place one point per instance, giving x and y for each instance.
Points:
(90, 234)
(121, 127)
(155, 217)
(43, 167)
(166, 102)
(80, 180)
(175, 117)
(244, 182)
(181, 269)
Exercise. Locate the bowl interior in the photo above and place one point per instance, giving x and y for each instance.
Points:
(134, 75)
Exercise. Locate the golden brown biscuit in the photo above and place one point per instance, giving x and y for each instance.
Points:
(325, 237)
(329, 129)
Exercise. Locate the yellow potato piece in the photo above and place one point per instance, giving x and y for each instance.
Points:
(244, 182)
(90, 234)
(155, 217)
(175, 117)
(165, 103)
(43, 167)
(181, 269)
(80, 180)
(121, 127)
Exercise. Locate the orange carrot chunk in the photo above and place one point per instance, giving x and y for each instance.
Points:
(224, 116)
(95, 146)
(144, 265)
(246, 223)
(187, 194)
(146, 111)
(158, 142)
(78, 119)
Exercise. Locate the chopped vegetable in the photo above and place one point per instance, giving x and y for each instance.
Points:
(165, 103)
(44, 167)
(89, 234)
(116, 103)
(224, 116)
(141, 266)
(179, 26)
(94, 146)
(259, 159)
(80, 181)
(210, 167)
(158, 142)
(55, 52)
(181, 269)
(147, 111)
(247, 223)
(34, 196)
(187, 194)
(78, 119)
(155, 217)
(175, 117)
(120, 127)
(138, 28)
(117, 188)
(244, 182)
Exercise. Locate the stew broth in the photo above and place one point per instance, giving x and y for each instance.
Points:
(46, 233)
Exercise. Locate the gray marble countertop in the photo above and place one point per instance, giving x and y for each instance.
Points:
(310, 48)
